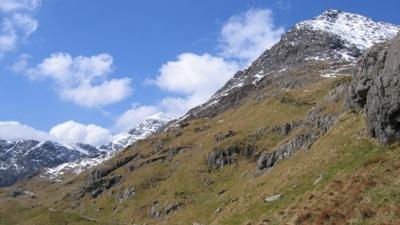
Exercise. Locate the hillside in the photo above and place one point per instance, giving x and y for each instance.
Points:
(307, 134)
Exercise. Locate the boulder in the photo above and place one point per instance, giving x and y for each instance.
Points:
(273, 198)
(375, 88)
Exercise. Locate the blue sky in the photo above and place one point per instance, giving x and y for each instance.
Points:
(130, 59)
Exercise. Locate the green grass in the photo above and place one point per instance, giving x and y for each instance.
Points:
(340, 156)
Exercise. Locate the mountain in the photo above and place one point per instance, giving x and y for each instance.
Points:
(146, 128)
(334, 38)
(21, 159)
(149, 126)
(307, 134)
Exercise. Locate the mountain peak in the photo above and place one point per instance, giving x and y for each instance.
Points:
(357, 30)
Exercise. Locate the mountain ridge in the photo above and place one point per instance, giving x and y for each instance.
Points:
(305, 42)
(19, 159)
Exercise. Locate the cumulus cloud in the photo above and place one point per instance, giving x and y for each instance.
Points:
(195, 77)
(247, 35)
(14, 131)
(8, 6)
(195, 74)
(73, 132)
(67, 133)
(17, 22)
(132, 117)
(82, 80)
(106, 93)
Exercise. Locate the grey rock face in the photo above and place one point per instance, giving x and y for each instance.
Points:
(125, 195)
(101, 179)
(218, 158)
(376, 89)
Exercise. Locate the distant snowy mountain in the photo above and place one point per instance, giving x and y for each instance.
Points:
(19, 159)
(143, 130)
(149, 126)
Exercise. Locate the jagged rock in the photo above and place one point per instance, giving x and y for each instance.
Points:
(171, 207)
(16, 193)
(266, 160)
(171, 152)
(155, 210)
(97, 187)
(286, 128)
(126, 194)
(98, 181)
(102, 172)
(218, 158)
(218, 210)
(376, 89)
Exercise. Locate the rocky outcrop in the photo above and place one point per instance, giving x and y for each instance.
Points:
(376, 89)
(317, 123)
(218, 158)
(125, 194)
(158, 210)
(101, 179)
(283, 130)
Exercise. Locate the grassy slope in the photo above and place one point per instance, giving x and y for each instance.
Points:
(359, 179)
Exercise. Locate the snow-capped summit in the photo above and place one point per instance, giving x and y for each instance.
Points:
(355, 29)
(149, 125)
(334, 38)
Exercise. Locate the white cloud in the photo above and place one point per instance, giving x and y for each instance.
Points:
(66, 70)
(17, 22)
(26, 23)
(82, 80)
(66, 133)
(196, 77)
(247, 35)
(195, 74)
(106, 93)
(18, 5)
(132, 117)
(73, 132)
(14, 131)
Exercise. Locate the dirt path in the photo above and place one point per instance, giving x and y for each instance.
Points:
(88, 218)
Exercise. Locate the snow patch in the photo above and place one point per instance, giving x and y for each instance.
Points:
(355, 29)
